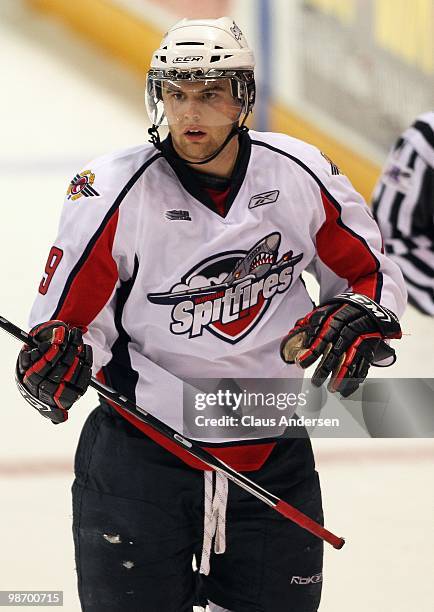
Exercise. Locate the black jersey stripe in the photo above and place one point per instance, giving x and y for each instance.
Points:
(409, 243)
(119, 372)
(399, 143)
(85, 255)
(416, 303)
(379, 287)
(376, 201)
(428, 290)
(335, 203)
(394, 213)
(426, 130)
(419, 264)
(412, 160)
(422, 220)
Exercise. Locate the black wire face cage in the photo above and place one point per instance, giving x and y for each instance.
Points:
(242, 84)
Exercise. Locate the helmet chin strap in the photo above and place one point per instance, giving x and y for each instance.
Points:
(236, 129)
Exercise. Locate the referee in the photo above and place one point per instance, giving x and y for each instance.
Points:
(403, 205)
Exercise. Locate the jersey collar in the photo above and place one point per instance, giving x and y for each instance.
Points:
(194, 182)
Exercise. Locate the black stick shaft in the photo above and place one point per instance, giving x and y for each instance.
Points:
(197, 451)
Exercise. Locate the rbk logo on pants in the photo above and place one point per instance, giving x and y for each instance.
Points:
(228, 293)
(307, 579)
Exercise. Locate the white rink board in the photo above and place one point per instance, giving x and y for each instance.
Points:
(58, 111)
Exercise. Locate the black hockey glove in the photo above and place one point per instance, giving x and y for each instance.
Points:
(349, 332)
(54, 375)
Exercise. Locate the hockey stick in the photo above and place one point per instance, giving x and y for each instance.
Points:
(197, 451)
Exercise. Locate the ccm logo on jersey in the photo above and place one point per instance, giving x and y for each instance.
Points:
(227, 294)
(268, 197)
(187, 59)
(307, 579)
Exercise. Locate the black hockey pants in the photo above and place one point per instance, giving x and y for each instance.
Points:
(138, 523)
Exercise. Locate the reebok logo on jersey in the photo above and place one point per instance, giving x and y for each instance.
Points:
(81, 185)
(177, 215)
(228, 293)
(268, 197)
(307, 579)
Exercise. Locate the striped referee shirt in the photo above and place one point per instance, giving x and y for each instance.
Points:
(403, 205)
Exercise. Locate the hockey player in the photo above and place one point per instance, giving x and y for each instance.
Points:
(403, 205)
(183, 258)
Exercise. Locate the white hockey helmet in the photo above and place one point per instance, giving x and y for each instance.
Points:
(202, 50)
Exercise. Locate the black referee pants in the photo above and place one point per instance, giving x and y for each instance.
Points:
(138, 522)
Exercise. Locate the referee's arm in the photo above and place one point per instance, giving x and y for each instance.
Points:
(403, 205)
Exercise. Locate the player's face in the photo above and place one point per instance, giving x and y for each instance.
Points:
(200, 115)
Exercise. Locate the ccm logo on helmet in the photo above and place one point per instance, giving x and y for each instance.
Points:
(187, 59)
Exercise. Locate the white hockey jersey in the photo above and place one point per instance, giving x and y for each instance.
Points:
(168, 289)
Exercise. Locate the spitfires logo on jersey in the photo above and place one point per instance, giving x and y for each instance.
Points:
(81, 185)
(227, 294)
